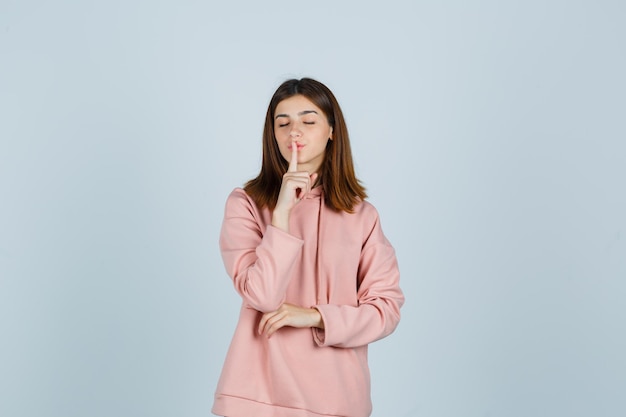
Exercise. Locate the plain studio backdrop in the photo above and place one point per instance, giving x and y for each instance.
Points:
(490, 135)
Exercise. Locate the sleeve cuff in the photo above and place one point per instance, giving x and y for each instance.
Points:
(319, 335)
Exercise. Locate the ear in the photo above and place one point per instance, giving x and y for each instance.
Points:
(330, 134)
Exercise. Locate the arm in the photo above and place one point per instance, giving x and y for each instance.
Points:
(294, 185)
(379, 299)
(289, 315)
(260, 264)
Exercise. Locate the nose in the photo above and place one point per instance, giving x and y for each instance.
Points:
(295, 132)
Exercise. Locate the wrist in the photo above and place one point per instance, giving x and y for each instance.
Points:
(317, 319)
(280, 219)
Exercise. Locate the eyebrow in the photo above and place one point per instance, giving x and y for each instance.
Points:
(302, 113)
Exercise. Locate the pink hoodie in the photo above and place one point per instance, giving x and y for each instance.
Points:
(337, 262)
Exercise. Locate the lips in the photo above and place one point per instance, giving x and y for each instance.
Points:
(298, 145)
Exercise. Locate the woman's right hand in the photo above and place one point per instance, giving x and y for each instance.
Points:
(294, 186)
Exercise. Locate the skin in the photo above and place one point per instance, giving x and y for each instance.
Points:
(302, 132)
(297, 118)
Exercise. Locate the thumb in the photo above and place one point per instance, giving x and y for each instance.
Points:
(313, 178)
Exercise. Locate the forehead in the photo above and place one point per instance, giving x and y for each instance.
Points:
(296, 104)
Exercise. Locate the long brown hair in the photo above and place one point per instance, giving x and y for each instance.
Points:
(342, 190)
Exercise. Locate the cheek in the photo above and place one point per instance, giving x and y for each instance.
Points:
(281, 135)
(282, 148)
(280, 139)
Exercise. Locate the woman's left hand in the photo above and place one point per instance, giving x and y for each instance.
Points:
(289, 315)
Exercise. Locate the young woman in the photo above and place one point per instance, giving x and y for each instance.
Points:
(318, 279)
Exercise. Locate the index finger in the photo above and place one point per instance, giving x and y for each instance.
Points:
(293, 164)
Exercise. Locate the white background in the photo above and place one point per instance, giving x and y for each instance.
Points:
(490, 134)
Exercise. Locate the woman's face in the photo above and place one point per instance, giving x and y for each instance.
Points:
(297, 120)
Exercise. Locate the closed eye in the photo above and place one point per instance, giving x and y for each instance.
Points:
(283, 124)
(309, 123)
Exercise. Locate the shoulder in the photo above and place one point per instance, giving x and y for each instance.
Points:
(365, 211)
(239, 203)
(360, 229)
(238, 194)
(370, 223)
(361, 221)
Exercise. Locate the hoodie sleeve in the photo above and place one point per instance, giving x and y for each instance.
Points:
(259, 262)
(379, 299)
